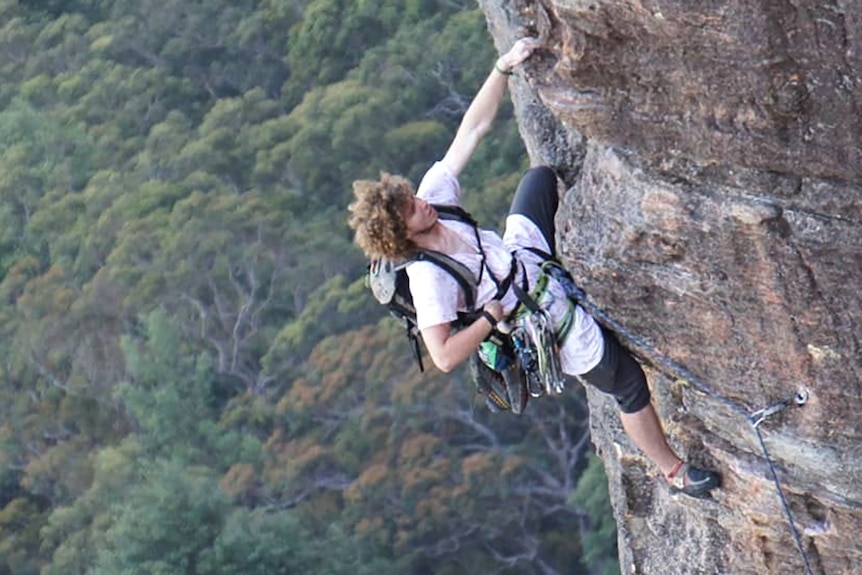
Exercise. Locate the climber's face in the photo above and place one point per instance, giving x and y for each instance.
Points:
(419, 217)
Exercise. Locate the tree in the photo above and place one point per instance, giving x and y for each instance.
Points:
(258, 543)
(185, 317)
(93, 9)
(41, 162)
(599, 538)
(405, 461)
(166, 524)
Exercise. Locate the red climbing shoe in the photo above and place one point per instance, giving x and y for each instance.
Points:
(691, 480)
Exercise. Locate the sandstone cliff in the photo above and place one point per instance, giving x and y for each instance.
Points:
(712, 153)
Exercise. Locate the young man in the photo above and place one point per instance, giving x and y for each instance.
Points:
(391, 221)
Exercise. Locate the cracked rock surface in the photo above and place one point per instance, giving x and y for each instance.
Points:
(712, 159)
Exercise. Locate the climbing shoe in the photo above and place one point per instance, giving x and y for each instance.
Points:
(691, 480)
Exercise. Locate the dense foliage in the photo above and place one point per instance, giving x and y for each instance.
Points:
(194, 377)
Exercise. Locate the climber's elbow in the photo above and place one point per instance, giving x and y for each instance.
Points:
(441, 347)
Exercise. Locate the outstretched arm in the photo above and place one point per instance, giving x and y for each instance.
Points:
(482, 110)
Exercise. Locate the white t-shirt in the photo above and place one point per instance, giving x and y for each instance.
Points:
(438, 297)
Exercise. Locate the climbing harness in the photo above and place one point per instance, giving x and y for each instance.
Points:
(755, 418)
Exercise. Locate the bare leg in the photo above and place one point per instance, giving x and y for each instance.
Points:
(645, 430)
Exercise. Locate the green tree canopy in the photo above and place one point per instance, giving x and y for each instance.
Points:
(195, 378)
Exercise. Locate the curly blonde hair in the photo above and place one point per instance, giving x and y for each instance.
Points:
(377, 216)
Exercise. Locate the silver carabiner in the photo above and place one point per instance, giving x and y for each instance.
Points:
(542, 334)
(799, 399)
(758, 416)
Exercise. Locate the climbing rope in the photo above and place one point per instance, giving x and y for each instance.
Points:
(681, 372)
(784, 504)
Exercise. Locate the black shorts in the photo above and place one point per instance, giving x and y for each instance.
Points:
(537, 199)
(620, 375)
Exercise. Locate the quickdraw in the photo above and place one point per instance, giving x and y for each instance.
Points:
(757, 417)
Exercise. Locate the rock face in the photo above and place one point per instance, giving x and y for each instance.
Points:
(712, 154)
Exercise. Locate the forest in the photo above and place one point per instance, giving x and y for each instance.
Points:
(195, 378)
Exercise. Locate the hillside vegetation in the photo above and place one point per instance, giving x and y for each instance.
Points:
(195, 378)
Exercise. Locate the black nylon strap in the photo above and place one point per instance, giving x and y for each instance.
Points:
(522, 291)
(457, 270)
(458, 213)
(525, 299)
(465, 278)
(541, 253)
(491, 319)
(455, 213)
